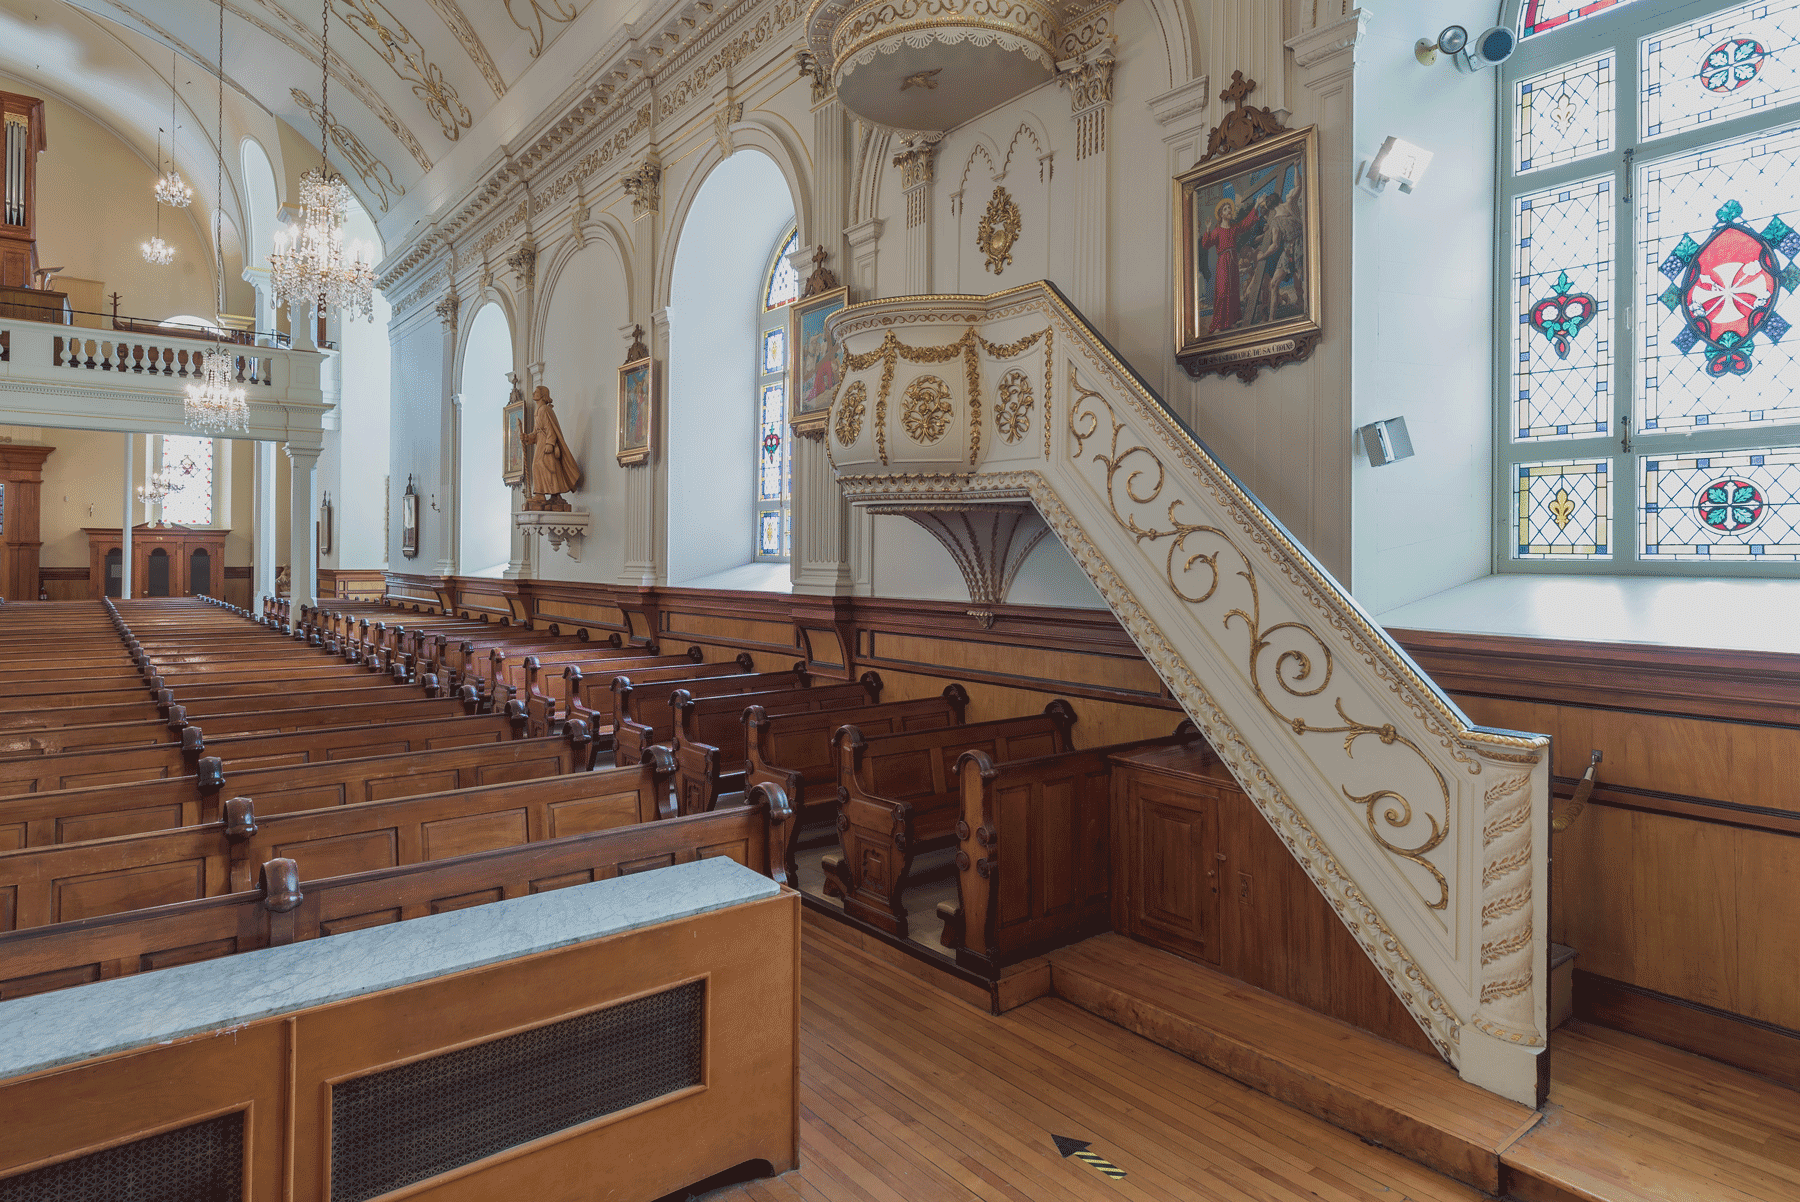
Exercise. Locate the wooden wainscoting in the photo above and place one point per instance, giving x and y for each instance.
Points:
(1679, 886)
(64, 584)
(352, 584)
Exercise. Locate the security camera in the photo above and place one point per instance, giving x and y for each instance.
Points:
(1492, 48)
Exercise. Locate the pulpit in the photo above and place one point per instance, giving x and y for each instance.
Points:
(166, 561)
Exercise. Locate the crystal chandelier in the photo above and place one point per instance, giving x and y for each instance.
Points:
(311, 264)
(158, 252)
(215, 403)
(171, 189)
(158, 486)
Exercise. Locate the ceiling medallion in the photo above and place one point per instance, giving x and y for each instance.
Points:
(998, 230)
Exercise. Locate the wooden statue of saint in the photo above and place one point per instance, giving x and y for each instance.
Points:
(553, 467)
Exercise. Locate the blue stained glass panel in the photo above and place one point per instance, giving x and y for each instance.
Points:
(1681, 200)
(774, 356)
(1722, 506)
(784, 281)
(1564, 114)
(1723, 65)
(1562, 311)
(772, 464)
(1562, 510)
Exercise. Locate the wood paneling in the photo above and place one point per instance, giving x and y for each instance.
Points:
(1769, 1051)
(1201, 873)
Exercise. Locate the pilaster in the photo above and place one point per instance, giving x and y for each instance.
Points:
(864, 239)
(263, 530)
(303, 547)
(917, 161)
(1089, 80)
(646, 535)
(445, 522)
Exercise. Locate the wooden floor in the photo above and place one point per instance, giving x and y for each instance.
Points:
(909, 1095)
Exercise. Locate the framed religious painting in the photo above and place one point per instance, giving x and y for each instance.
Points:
(512, 453)
(813, 362)
(1247, 257)
(637, 411)
(409, 521)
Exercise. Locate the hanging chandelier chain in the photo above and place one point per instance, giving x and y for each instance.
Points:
(216, 402)
(324, 87)
(219, 184)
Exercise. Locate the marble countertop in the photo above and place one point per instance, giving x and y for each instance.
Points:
(71, 1025)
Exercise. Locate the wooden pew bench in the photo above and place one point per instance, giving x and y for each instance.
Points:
(588, 696)
(68, 881)
(286, 909)
(645, 716)
(542, 683)
(404, 708)
(102, 811)
(900, 797)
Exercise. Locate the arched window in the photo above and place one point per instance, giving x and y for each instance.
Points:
(190, 461)
(1649, 225)
(775, 461)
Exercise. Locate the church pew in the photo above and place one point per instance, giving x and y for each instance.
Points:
(588, 696)
(1034, 841)
(141, 708)
(794, 753)
(514, 674)
(79, 769)
(405, 708)
(286, 908)
(200, 709)
(48, 740)
(102, 811)
(531, 675)
(642, 708)
(67, 881)
(899, 796)
(708, 736)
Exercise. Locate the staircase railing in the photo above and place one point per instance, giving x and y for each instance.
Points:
(1429, 835)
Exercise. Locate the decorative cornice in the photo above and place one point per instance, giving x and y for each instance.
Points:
(1182, 100)
(1326, 42)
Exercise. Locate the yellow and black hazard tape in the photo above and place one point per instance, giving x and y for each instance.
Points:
(1104, 1165)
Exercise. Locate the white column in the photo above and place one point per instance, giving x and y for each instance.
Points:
(258, 278)
(303, 559)
(263, 525)
(1089, 80)
(917, 163)
(125, 550)
(449, 464)
(300, 327)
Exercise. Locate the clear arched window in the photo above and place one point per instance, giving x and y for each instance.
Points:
(190, 462)
(1649, 229)
(774, 451)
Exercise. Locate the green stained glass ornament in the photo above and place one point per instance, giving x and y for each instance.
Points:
(1775, 231)
(1672, 298)
(1687, 248)
(1730, 211)
(1790, 277)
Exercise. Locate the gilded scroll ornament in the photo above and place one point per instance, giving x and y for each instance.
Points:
(998, 230)
(851, 406)
(371, 170)
(925, 410)
(530, 16)
(1012, 406)
(389, 38)
(1300, 671)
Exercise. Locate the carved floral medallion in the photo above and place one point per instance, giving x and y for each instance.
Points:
(1012, 406)
(998, 230)
(925, 410)
(851, 407)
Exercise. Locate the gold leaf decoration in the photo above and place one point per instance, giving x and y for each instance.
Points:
(851, 407)
(925, 410)
(1012, 406)
(998, 230)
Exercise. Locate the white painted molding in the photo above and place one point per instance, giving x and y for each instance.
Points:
(1326, 42)
(560, 529)
(1180, 101)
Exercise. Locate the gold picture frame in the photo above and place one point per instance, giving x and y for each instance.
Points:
(814, 365)
(512, 452)
(638, 382)
(1247, 292)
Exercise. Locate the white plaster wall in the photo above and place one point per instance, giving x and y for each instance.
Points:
(741, 208)
(582, 353)
(1424, 327)
(415, 423)
(484, 499)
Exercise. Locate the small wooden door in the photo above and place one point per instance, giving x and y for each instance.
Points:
(115, 572)
(158, 573)
(200, 574)
(1169, 892)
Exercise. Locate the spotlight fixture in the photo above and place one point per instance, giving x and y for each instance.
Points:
(1386, 441)
(1450, 41)
(1491, 48)
(1398, 161)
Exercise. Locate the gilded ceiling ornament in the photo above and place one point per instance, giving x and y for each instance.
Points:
(998, 230)
(925, 410)
(446, 310)
(471, 44)
(371, 170)
(386, 36)
(922, 79)
(524, 264)
(851, 406)
(1012, 406)
(530, 16)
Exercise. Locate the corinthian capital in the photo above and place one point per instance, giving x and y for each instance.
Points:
(644, 186)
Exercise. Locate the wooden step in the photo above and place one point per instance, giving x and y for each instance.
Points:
(1386, 1094)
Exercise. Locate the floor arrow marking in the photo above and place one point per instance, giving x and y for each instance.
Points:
(1077, 1148)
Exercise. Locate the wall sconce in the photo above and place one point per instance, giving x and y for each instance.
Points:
(1399, 162)
(1386, 441)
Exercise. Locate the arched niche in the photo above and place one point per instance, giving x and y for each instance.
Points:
(484, 500)
(715, 295)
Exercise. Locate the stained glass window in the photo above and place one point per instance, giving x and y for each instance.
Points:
(1561, 510)
(1541, 16)
(1716, 256)
(1724, 65)
(784, 281)
(1722, 506)
(774, 441)
(190, 462)
(1564, 114)
(1562, 312)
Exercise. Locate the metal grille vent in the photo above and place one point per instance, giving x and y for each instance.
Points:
(407, 1124)
(201, 1163)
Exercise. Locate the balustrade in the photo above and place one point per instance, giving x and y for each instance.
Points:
(101, 354)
